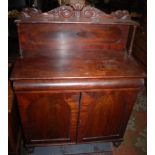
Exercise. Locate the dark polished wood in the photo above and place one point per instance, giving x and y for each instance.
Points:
(14, 128)
(57, 113)
(76, 80)
(49, 37)
(76, 13)
(77, 64)
(104, 114)
(77, 84)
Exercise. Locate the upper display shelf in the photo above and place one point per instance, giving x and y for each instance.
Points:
(76, 12)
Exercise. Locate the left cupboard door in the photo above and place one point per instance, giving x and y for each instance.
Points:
(48, 117)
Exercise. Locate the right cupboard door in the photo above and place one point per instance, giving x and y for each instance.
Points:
(104, 114)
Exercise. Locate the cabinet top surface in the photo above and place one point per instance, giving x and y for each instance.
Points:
(85, 64)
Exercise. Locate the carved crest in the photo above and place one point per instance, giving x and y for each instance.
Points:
(76, 10)
(77, 4)
(29, 12)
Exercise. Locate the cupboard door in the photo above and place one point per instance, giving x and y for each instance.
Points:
(49, 117)
(104, 115)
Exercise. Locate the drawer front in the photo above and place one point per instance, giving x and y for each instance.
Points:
(48, 117)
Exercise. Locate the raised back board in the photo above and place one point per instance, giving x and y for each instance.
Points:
(72, 28)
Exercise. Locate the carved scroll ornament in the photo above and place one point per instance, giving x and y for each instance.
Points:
(77, 4)
(75, 10)
(29, 12)
(63, 11)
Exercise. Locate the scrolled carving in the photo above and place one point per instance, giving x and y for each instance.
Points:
(29, 12)
(53, 13)
(91, 12)
(66, 11)
(77, 4)
(88, 12)
(121, 14)
(62, 11)
(76, 11)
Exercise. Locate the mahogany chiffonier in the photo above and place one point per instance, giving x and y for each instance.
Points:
(76, 80)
